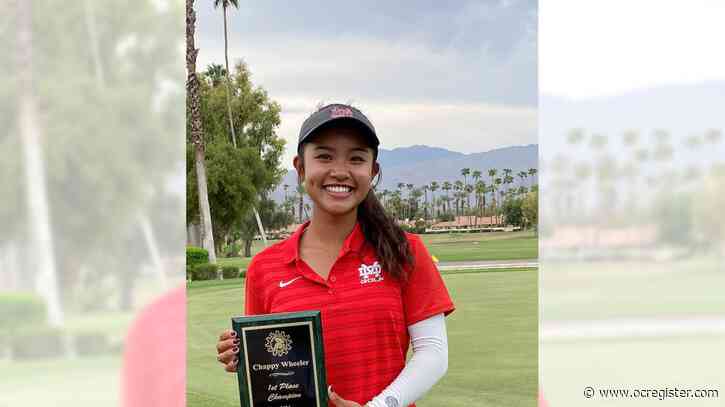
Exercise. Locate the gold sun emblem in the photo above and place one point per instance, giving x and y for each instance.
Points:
(278, 343)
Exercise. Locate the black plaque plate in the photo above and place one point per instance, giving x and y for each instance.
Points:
(281, 360)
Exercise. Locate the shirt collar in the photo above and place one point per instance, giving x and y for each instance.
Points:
(353, 242)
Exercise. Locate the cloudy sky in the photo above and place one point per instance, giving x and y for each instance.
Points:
(462, 76)
(594, 49)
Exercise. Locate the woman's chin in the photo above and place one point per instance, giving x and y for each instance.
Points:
(338, 208)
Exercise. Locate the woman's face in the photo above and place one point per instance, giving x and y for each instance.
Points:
(338, 169)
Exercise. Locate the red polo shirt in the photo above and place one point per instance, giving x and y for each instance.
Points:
(365, 311)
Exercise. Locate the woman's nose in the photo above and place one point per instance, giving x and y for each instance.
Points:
(339, 171)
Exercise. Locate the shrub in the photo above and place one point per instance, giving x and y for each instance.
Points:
(91, 344)
(196, 255)
(242, 273)
(204, 271)
(230, 272)
(37, 342)
(232, 250)
(19, 309)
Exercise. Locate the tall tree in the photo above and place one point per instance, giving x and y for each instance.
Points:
(215, 74)
(465, 172)
(30, 136)
(433, 188)
(225, 4)
(497, 182)
(446, 187)
(532, 173)
(481, 194)
(301, 201)
(458, 187)
(425, 203)
(193, 112)
(492, 173)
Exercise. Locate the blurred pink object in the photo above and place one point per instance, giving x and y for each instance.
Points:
(542, 401)
(154, 361)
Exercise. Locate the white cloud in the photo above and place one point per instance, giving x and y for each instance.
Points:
(465, 80)
(594, 48)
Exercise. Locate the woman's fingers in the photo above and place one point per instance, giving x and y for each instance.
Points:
(227, 349)
(223, 346)
(232, 366)
(228, 356)
(227, 334)
(339, 401)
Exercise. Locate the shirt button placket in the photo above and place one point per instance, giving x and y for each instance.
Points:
(331, 279)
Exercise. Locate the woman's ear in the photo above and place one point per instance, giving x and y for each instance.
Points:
(297, 163)
(376, 169)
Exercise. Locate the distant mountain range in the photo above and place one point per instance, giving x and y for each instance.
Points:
(419, 165)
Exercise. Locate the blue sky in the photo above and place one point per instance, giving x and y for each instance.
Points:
(461, 76)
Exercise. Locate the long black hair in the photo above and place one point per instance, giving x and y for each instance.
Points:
(380, 230)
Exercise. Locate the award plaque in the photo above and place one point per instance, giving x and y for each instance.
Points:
(281, 361)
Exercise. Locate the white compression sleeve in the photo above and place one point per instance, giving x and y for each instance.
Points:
(427, 365)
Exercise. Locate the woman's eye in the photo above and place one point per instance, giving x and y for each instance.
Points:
(324, 157)
(359, 159)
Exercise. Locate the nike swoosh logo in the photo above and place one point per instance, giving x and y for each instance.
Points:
(283, 284)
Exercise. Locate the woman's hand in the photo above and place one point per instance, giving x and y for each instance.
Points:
(227, 349)
(339, 401)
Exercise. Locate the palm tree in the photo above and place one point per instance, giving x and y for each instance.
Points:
(481, 196)
(225, 4)
(497, 182)
(522, 175)
(465, 172)
(193, 109)
(415, 195)
(395, 203)
(492, 173)
(433, 188)
(425, 203)
(301, 200)
(468, 189)
(215, 73)
(458, 187)
(401, 185)
(383, 196)
(447, 187)
(508, 180)
(532, 173)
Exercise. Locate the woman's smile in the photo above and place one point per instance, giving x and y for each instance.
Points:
(338, 190)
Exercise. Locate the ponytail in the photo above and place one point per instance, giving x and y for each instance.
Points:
(386, 237)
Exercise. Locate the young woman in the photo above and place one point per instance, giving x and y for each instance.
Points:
(376, 286)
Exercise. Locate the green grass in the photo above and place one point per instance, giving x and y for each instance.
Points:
(81, 382)
(451, 247)
(619, 289)
(492, 335)
(483, 246)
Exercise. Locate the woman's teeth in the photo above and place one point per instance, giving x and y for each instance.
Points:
(338, 188)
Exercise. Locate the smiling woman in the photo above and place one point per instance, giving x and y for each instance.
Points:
(376, 286)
